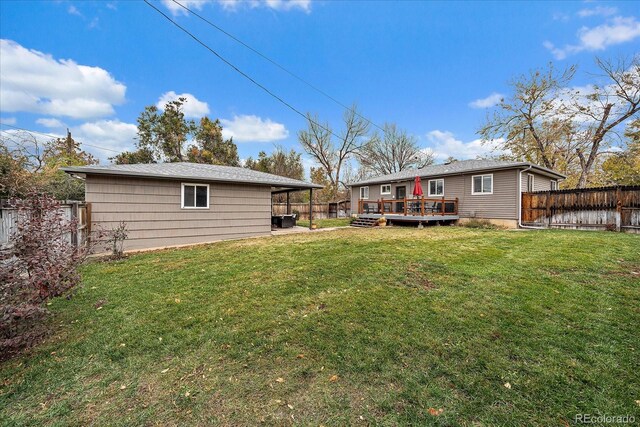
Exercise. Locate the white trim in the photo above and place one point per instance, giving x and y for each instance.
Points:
(429, 187)
(533, 183)
(481, 193)
(361, 196)
(551, 185)
(385, 192)
(182, 206)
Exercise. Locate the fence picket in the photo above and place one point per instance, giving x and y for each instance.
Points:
(614, 208)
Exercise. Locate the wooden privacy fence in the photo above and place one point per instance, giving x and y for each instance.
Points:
(606, 208)
(80, 210)
(320, 210)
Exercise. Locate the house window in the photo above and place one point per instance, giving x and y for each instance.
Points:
(530, 183)
(384, 189)
(364, 192)
(436, 187)
(482, 184)
(554, 185)
(195, 196)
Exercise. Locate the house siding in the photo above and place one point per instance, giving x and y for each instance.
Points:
(502, 204)
(151, 209)
(540, 182)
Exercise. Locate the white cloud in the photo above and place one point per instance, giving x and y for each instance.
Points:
(191, 4)
(8, 120)
(249, 128)
(233, 5)
(488, 102)
(616, 31)
(445, 144)
(50, 123)
(598, 10)
(35, 82)
(112, 136)
(561, 16)
(72, 10)
(304, 5)
(193, 107)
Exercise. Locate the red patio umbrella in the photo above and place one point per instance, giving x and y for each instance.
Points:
(417, 189)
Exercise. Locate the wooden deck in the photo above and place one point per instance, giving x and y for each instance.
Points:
(411, 218)
(415, 210)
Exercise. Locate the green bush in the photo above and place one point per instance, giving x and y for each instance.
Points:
(479, 223)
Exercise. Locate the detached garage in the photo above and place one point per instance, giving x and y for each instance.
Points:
(172, 204)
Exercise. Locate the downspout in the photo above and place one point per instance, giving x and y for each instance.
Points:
(520, 201)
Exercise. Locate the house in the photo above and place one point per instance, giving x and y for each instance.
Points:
(456, 191)
(172, 204)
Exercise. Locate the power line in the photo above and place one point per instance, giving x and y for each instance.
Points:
(245, 75)
(263, 56)
(56, 137)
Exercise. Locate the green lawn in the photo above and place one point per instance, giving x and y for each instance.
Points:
(351, 327)
(327, 223)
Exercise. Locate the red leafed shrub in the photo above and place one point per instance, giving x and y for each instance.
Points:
(40, 263)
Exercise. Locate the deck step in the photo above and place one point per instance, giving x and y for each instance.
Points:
(364, 222)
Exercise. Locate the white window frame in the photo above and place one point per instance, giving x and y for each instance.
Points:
(481, 193)
(533, 182)
(361, 196)
(554, 183)
(195, 184)
(429, 194)
(384, 192)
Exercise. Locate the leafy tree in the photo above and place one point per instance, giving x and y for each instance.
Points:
(561, 127)
(141, 155)
(333, 154)
(393, 152)
(624, 168)
(279, 162)
(163, 136)
(211, 147)
(14, 176)
(165, 133)
(28, 165)
(326, 194)
(59, 153)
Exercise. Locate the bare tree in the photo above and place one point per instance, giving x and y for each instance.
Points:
(331, 154)
(393, 152)
(547, 121)
(608, 107)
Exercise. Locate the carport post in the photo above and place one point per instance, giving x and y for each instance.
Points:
(310, 208)
(288, 203)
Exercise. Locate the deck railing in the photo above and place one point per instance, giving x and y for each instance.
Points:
(410, 207)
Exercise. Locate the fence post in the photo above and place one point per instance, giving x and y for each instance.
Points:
(618, 209)
(548, 208)
(74, 217)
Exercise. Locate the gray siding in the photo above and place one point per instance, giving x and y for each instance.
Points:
(502, 204)
(540, 182)
(152, 211)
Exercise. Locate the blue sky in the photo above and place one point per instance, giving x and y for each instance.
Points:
(433, 68)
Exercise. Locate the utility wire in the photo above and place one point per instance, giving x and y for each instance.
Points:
(263, 56)
(245, 75)
(54, 136)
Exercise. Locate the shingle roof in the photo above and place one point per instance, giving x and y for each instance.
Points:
(193, 171)
(453, 168)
